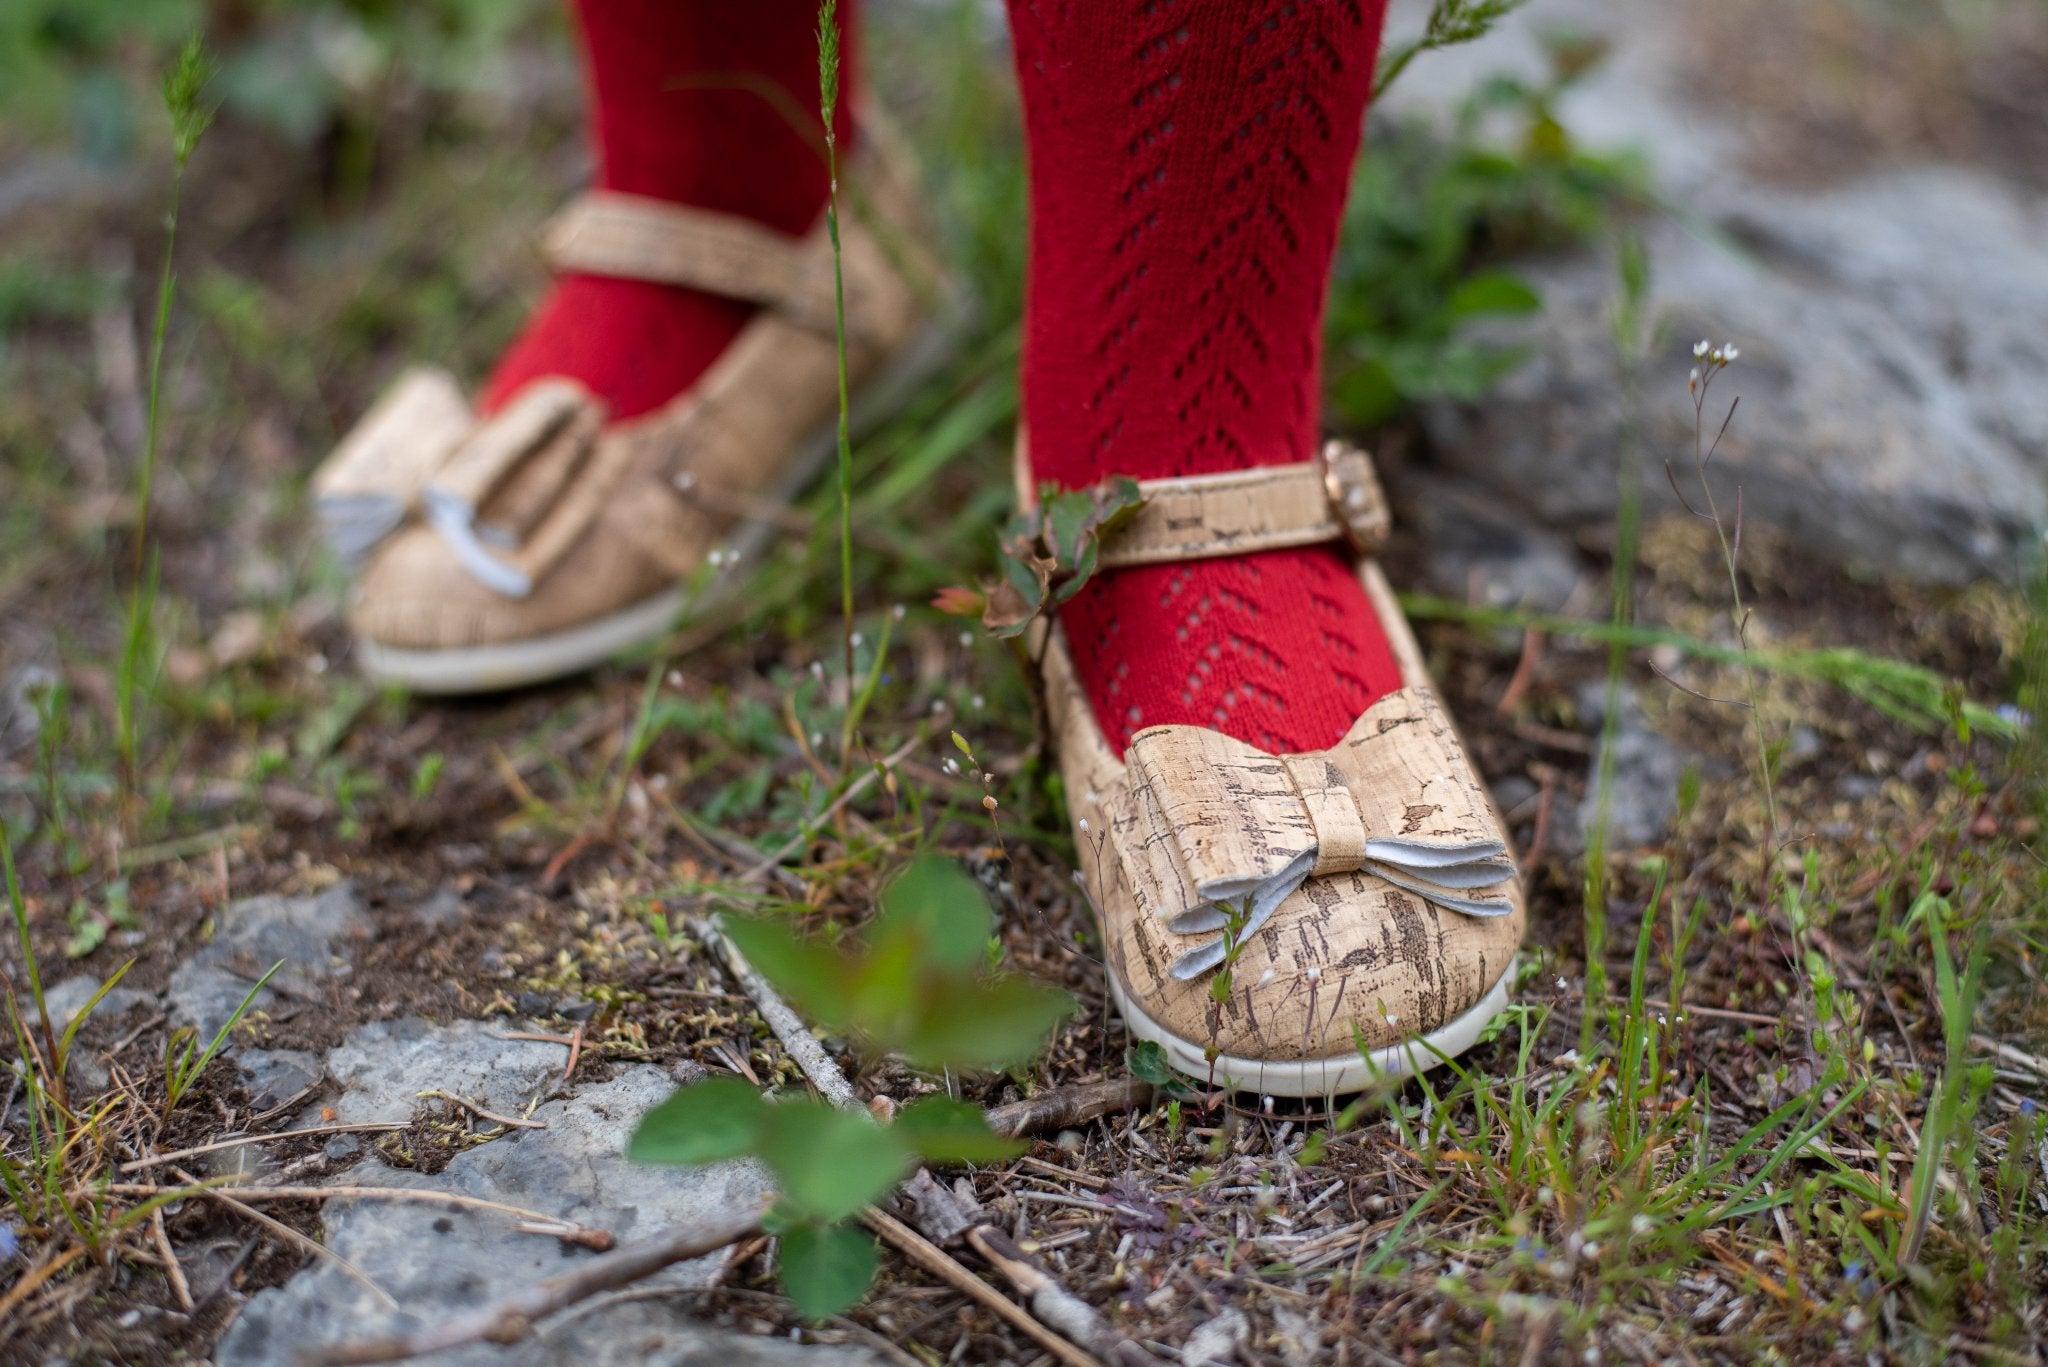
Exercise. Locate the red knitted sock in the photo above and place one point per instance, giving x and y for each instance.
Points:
(676, 111)
(1189, 160)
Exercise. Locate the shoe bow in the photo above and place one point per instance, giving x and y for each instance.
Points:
(491, 489)
(1214, 834)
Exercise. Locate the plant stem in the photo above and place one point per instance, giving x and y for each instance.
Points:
(828, 86)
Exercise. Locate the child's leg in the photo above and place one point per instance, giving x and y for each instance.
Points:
(668, 119)
(1188, 169)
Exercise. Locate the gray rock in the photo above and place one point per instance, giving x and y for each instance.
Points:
(277, 1075)
(1891, 352)
(384, 1066)
(1646, 773)
(441, 911)
(309, 934)
(1485, 549)
(69, 997)
(437, 1262)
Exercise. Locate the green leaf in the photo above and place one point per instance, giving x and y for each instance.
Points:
(1148, 1064)
(808, 972)
(1083, 571)
(826, 1268)
(705, 1122)
(1118, 504)
(1026, 578)
(984, 1024)
(947, 1131)
(1071, 518)
(1493, 292)
(938, 904)
(828, 1162)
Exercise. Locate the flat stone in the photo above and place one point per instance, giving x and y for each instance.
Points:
(1892, 412)
(441, 911)
(385, 1065)
(277, 1075)
(437, 1262)
(311, 935)
(69, 997)
(1484, 549)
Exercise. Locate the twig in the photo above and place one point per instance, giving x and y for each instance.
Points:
(1067, 1106)
(826, 1076)
(511, 1319)
(2038, 1067)
(180, 1288)
(293, 1237)
(1051, 1302)
(157, 1159)
(797, 1040)
(946, 1268)
(1525, 672)
(1723, 1013)
(436, 1094)
(568, 1231)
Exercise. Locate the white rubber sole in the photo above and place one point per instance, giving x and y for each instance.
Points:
(539, 659)
(1327, 1077)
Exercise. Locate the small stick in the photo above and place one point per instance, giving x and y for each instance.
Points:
(802, 1046)
(436, 1094)
(1050, 1302)
(511, 1319)
(180, 1288)
(944, 1266)
(1067, 1106)
(566, 1230)
(2017, 1058)
(292, 1236)
(1525, 672)
(157, 1159)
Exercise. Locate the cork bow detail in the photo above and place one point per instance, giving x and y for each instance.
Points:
(1214, 834)
(500, 492)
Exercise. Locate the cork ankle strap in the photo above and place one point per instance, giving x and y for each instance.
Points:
(1335, 497)
(634, 237)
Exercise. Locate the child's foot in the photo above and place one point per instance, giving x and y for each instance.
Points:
(681, 369)
(1282, 836)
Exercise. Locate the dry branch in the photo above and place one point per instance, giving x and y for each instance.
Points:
(1065, 1107)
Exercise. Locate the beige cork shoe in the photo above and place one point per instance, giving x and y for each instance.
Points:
(534, 544)
(1362, 900)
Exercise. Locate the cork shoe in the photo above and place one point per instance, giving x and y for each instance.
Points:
(1293, 925)
(535, 543)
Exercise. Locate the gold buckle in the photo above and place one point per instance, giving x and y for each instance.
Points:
(1353, 488)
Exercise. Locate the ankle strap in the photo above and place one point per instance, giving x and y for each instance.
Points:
(633, 237)
(1335, 497)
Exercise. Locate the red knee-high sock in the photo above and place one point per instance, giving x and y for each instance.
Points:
(669, 118)
(1189, 160)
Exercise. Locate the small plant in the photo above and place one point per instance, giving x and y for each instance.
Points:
(184, 1060)
(1430, 217)
(184, 85)
(1049, 552)
(915, 984)
(48, 1180)
(1450, 23)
